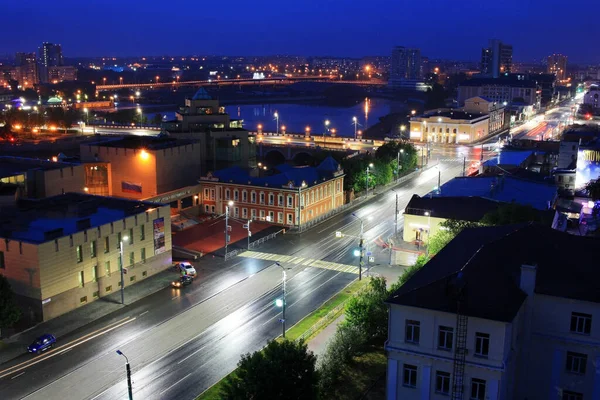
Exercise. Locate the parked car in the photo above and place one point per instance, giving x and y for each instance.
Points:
(42, 343)
(186, 268)
(181, 282)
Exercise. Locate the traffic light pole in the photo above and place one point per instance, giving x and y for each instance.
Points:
(362, 253)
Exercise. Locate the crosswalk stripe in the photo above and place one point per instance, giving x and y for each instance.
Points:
(301, 261)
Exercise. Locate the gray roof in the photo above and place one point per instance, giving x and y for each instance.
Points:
(202, 94)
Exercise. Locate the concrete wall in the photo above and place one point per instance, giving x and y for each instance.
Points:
(47, 183)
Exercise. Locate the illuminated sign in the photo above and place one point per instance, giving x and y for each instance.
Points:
(588, 167)
(258, 75)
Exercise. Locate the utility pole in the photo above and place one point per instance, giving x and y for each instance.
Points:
(362, 253)
(283, 301)
(128, 369)
(398, 167)
(227, 225)
(249, 233)
(122, 269)
(396, 217)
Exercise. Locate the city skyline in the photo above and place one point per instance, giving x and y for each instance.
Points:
(309, 29)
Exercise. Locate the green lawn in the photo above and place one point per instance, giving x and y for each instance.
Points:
(364, 376)
(302, 326)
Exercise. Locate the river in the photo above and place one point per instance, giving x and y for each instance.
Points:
(296, 117)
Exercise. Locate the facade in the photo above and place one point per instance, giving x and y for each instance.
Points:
(496, 59)
(449, 126)
(292, 197)
(557, 65)
(495, 110)
(223, 141)
(140, 167)
(592, 97)
(40, 178)
(50, 55)
(26, 70)
(62, 73)
(406, 65)
(494, 316)
(509, 90)
(62, 252)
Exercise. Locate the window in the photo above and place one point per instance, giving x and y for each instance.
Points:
(2, 264)
(280, 200)
(106, 244)
(236, 195)
(81, 279)
(244, 212)
(131, 236)
(79, 254)
(212, 194)
(482, 344)
(145, 273)
(83, 300)
(206, 208)
(413, 331)
(262, 214)
(568, 395)
(445, 338)
(253, 214)
(143, 254)
(290, 219)
(262, 198)
(95, 273)
(206, 194)
(477, 389)
(95, 294)
(226, 194)
(131, 259)
(93, 248)
(576, 363)
(107, 268)
(409, 378)
(581, 323)
(442, 382)
(244, 196)
(253, 197)
(108, 289)
(119, 238)
(236, 212)
(271, 216)
(132, 278)
(290, 201)
(280, 217)
(142, 232)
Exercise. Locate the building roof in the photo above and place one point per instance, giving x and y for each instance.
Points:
(452, 114)
(38, 221)
(297, 176)
(202, 94)
(512, 82)
(11, 166)
(471, 208)
(486, 264)
(503, 188)
(509, 158)
(143, 142)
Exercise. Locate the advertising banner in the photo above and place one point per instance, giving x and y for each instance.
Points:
(588, 167)
(159, 235)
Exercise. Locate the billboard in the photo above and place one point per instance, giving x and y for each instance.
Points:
(159, 235)
(588, 167)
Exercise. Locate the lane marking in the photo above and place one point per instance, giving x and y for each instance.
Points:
(170, 387)
(64, 350)
(145, 312)
(192, 354)
(16, 376)
(55, 349)
(173, 298)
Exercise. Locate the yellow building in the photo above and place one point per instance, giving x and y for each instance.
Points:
(42, 178)
(449, 126)
(62, 252)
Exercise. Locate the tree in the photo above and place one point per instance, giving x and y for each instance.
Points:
(9, 312)
(282, 370)
(593, 189)
(368, 311)
(157, 119)
(515, 213)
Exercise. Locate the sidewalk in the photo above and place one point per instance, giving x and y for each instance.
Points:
(319, 343)
(73, 320)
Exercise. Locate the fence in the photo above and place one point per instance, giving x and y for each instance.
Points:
(252, 245)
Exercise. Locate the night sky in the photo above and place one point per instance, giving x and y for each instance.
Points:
(441, 28)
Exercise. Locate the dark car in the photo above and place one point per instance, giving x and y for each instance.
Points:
(42, 343)
(183, 281)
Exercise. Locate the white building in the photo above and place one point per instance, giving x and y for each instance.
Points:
(592, 97)
(500, 313)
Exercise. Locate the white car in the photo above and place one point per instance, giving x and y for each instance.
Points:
(186, 268)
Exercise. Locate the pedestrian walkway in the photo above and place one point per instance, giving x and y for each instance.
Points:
(309, 262)
(319, 343)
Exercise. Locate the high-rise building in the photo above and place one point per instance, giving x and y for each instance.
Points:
(26, 70)
(61, 74)
(50, 56)
(406, 63)
(557, 65)
(496, 59)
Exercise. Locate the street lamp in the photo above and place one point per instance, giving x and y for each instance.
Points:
(276, 115)
(368, 170)
(361, 245)
(229, 204)
(128, 369)
(326, 127)
(281, 302)
(123, 239)
(139, 111)
(355, 122)
(86, 111)
(398, 166)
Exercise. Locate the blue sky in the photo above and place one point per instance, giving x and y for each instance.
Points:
(441, 28)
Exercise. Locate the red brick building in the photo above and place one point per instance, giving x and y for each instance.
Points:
(295, 195)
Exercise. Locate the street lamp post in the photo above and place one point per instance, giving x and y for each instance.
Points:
(367, 181)
(128, 369)
(139, 111)
(326, 128)
(355, 122)
(396, 215)
(401, 151)
(281, 303)
(361, 245)
(276, 115)
(87, 114)
(428, 215)
(124, 238)
(229, 204)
